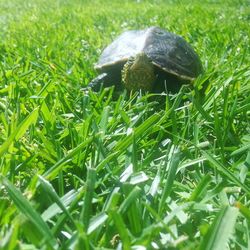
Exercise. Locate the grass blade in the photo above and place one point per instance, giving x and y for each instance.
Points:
(221, 229)
(175, 160)
(56, 168)
(200, 189)
(19, 131)
(96, 222)
(52, 193)
(132, 196)
(25, 208)
(54, 209)
(124, 144)
(87, 205)
(225, 171)
(243, 209)
(122, 230)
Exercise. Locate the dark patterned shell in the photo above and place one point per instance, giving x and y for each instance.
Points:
(167, 51)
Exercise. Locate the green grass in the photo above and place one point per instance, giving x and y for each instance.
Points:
(85, 170)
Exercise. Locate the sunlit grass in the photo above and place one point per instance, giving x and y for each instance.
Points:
(85, 170)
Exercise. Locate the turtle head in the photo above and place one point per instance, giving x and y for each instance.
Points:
(138, 73)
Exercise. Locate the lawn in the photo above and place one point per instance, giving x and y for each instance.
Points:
(107, 170)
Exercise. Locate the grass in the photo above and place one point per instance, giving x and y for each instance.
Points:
(85, 170)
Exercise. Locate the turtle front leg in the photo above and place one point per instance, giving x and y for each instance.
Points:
(105, 80)
(98, 82)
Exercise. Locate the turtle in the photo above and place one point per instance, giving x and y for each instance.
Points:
(151, 59)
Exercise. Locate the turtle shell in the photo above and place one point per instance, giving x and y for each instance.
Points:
(169, 52)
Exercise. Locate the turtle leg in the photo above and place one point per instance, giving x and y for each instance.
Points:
(107, 79)
(98, 82)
